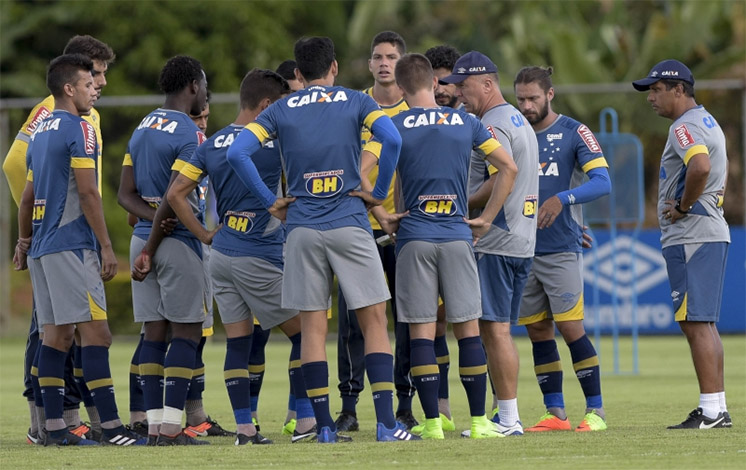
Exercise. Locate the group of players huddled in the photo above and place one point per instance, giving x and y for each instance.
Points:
(428, 189)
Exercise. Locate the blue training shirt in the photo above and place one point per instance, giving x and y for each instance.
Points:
(434, 169)
(59, 144)
(567, 150)
(163, 142)
(248, 228)
(318, 130)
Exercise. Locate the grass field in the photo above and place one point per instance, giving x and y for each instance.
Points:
(638, 408)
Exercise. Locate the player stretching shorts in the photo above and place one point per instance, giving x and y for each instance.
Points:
(62, 203)
(568, 150)
(173, 294)
(318, 130)
(434, 242)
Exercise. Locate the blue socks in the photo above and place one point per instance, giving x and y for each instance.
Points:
(472, 364)
(236, 374)
(548, 370)
(426, 374)
(585, 363)
(380, 368)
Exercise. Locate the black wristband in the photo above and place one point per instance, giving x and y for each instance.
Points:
(680, 209)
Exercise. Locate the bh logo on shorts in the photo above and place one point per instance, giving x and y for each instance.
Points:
(324, 183)
(438, 205)
(239, 221)
(40, 206)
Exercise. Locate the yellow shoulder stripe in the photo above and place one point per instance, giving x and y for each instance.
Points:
(82, 162)
(374, 148)
(489, 146)
(372, 117)
(259, 131)
(127, 160)
(191, 172)
(697, 149)
(178, 165)
(599, 162)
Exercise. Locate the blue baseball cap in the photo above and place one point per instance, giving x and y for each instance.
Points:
(670, 69)
(471, 63)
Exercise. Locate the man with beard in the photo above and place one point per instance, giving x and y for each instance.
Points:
(568, 150)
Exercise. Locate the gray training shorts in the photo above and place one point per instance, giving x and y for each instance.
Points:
(425, 270)
(68, 288)
(554, 289)
(245, 285)
(314, 256)
(174, 289)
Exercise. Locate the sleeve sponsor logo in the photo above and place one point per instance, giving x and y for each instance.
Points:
(492, 132)
(589, 139)
(201, 137)
(683, 136)
(89, 136)
(41, 114)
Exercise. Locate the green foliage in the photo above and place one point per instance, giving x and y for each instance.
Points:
(638, 409)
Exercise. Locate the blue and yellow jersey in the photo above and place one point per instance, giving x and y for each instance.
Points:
(59, 144)
(434, 169)
(365, 137)
(567, 150)
(163, 142)
(318, 130)
(14, 165)
(248, 228)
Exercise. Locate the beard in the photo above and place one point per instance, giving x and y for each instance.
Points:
(446, 100)
(539, 116)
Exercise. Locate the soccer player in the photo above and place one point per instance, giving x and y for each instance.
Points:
(61, 211)
(694, 234)
(318, 130)
(553, 295)
(505, 253)
(385, 50)
(172, 295)
(247, 262)
(434, 248)
(287, 71)
(443, 58)
(14, 167)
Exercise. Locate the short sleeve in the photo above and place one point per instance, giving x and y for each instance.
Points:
(83, 146)
(588, 151)
(688, 141)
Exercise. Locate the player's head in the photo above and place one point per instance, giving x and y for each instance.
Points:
(314, 57)
(670, 84)
(100, 53)
(534, 92)
(476, 80)
(414, 73)
(443, 58)
(184, 74)
(69, 77)
(287, 71)
(260, 88)
(200, 120)
(386, 49)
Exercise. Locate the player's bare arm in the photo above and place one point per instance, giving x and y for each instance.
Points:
(93, 210)
(507, 171)
(130, 199)
(697, 172)
(480, 197)
(25, 212)
(177, 195)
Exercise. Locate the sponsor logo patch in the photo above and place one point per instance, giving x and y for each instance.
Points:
(683, 136)
(492, 132)
(41, 114)
(436, 205)
(201, 137)
(324, 183)
(89, 136)
(589, 139)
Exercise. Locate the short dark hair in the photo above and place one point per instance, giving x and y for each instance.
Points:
(413, 73)
(671, 83)
(259, 84)
(390, 37)
(64, 69)
(314, 56)
(90, 47)
(533, 74)
(443, 56)
(178, 73)
(287, 69)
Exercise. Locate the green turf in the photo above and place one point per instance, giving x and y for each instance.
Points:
(638, 408)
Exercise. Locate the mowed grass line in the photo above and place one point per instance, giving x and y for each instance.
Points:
(638, 408)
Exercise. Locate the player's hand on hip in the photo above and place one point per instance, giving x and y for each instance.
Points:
(390, 223)
(280, 208)
(548, 212)
(479, 228)
(670, 213)
(207, 238)
(367, 197)
(169, 225)
(141, 266)
(108, 264)
(587, 240)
